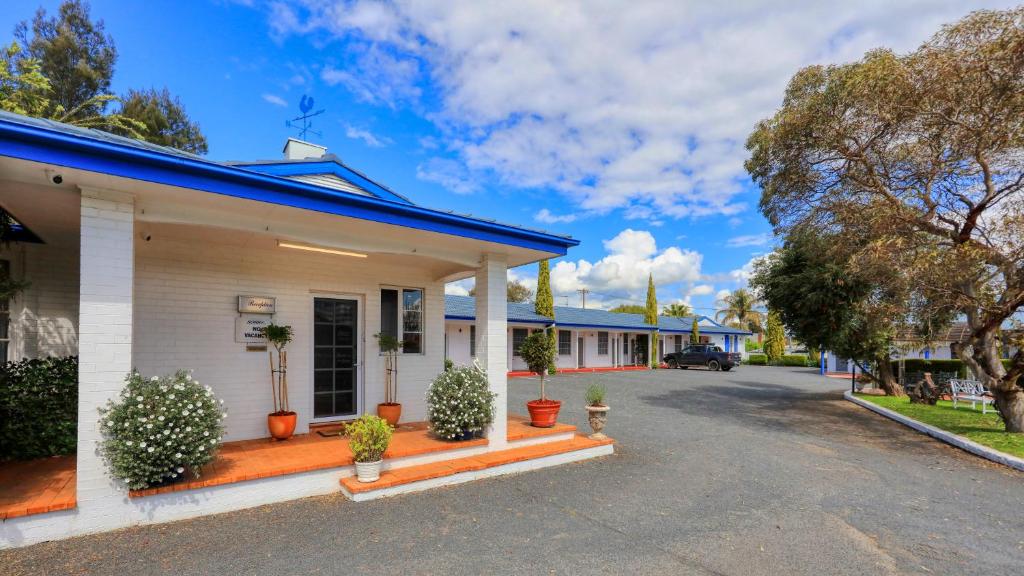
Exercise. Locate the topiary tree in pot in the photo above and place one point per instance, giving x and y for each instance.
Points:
(538, 355)
(390, 409)
(281, 421)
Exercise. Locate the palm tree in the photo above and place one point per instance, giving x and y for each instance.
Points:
(678, 310)
(739, 309)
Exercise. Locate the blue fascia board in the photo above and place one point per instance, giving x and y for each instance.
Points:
(286, 169)
(610, 327)
(37, 144)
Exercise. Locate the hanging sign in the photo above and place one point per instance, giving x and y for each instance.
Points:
(249, 328)
(257, 304)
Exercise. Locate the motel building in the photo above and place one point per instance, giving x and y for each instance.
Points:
(143, 257)
(588, 339)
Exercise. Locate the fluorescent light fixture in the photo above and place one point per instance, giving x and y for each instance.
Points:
(309, 248)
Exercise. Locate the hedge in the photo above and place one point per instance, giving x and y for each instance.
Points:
(38, 408)
(757, 359)
(793, 360)
(934, 366)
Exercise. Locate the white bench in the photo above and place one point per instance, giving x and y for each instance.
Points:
(970, 391)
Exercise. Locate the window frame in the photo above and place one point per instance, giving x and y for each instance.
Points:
(606, 340)
(568, 342)
(5, 316)
(515, 348)
(472, 340)
(400, 316)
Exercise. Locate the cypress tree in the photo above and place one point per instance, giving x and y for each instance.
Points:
(775, 338)
(695, 332)
(651, 317)
(545, 306)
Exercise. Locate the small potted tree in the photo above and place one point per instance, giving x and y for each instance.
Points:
(390, 409)
(536, 351)
(281, 421)
(368, 438)
(597, 410)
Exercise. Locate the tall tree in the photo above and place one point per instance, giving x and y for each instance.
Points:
(677, 310)
(515, 291)
(920, 154)
(651, 317)
(739, 309)
(695, 332)
(23, 88)
(629, 309)
(545, 306)
(774, 338)
(166, 122)
(74, 53)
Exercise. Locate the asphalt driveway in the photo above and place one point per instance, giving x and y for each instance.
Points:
(755, 471)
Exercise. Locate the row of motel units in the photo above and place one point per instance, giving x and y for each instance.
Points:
(144, 257)
(587, 338)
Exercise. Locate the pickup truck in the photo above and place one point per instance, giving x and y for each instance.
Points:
(703, 355)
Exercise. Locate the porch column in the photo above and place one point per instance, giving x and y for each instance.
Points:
(107, 271)
(492, 339)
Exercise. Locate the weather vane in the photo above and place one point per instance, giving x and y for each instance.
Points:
(305, 105)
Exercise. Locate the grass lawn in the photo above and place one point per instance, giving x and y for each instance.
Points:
(986, 429)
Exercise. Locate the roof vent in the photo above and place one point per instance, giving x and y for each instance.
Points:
(295, 149)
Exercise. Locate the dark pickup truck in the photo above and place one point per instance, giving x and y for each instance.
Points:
(703, 355)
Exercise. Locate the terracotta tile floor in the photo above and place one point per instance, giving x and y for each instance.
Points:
(470, 463)
(37, 486)
(47, 485)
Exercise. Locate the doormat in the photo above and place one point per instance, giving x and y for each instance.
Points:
(331, 431)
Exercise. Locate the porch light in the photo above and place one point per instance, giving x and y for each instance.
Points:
(284, 244)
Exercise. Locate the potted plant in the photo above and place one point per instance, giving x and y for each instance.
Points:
(281, 421)
(390, 409)
(368, 438)
(597, 410)
(460, 404)
(536, 351)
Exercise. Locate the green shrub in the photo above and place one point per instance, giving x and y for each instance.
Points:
(159, 428)
(595, 395)
(38, 408)
(793, 360)
(368, 437)
(931, 365)
(448, 364)
(757, 360)
(459, 402)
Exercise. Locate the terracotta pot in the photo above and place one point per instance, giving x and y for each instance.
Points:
(598, 416)
(390, 411)
(543, 413)
(368, 471)
(281, 425)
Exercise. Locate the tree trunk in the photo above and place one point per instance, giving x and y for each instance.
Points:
(983, 359)
(1010, 403)
(887, 380)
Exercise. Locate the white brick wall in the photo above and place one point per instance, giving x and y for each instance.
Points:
(185, 305)
(492, 340)
(44, 318)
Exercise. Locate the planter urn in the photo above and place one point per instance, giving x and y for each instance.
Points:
(597, 416)
(281, 425)
(543, 413)
(368, 471)
(390, 411)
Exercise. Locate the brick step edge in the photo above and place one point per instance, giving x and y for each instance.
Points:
(408, 475)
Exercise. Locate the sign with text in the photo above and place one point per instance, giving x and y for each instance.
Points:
(257, 304)
(249, 328)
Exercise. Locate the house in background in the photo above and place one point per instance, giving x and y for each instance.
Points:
(141, 256)
(587, 338)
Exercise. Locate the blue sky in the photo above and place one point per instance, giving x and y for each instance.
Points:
(621, 127)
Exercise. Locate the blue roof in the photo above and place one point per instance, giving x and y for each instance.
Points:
(464, 308)
(55, 143)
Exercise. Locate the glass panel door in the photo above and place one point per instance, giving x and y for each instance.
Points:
(335, 357)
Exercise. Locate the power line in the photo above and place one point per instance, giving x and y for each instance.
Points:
(583, 294)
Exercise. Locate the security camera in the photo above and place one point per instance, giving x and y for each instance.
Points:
(57, 178)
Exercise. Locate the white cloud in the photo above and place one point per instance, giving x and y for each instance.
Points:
(721, 294)
(741, 276)
(545, 216)
(366, 136)
(275, 100)
(448, 173)
(457, 288)
(644, 110)
(749, 240)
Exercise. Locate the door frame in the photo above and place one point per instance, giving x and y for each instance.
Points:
(360, 300)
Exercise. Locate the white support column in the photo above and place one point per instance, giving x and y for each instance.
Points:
(107, 271)
(492, 339)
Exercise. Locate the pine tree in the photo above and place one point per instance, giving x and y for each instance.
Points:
(651, 317)
(695, 332)
(775, 338)
(545, 306)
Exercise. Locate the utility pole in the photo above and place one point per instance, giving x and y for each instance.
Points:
(583, 294)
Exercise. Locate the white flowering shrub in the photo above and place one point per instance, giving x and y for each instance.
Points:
(459, 402)
(159, 429)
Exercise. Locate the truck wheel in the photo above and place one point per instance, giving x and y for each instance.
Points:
(726, 368)
(713, 365)
(672, 364)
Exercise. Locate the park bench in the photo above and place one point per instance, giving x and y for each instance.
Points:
(970, 391)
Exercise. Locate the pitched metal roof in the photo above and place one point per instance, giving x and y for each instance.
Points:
(464, 308)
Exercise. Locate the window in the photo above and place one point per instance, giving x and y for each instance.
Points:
(5, 314)
(679, 342)
(602, 343)
(518, 337)
(407, 327)
(472, 340)
(564, 343)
